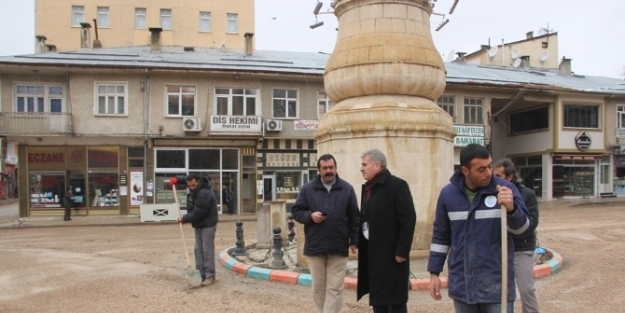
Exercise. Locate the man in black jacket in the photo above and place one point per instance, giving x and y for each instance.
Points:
(523, 248)
(388, 219)
(328, 209)
(202, 214)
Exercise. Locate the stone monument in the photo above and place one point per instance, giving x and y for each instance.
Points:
(384, 77)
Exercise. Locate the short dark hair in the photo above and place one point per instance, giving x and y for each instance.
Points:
(508, 169)
(472, 151)
(193, 176)
(325, 157)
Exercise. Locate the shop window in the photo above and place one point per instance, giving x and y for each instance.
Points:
(581, 116)
(288, 185)
(170, 159)
(180, 100)
(531, 120)
(103, 189)
(230, 159)
(447, 103)
(204, 159)
(236, 101)
(473, 111)
(111, 98)
(46, 189)
(284, 103)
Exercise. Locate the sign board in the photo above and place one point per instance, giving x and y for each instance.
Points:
(306, 125)
(468, 134)
(238, 124)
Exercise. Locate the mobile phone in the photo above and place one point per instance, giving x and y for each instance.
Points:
(324, 214)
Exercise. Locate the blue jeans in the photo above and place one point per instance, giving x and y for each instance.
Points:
(462, 307)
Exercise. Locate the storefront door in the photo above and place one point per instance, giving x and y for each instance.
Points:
(269, 190)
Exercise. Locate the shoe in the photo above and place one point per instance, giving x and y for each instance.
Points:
(208, 282)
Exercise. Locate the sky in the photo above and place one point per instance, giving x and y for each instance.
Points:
(591, 34)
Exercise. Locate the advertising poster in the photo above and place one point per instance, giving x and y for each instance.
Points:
(136, 188)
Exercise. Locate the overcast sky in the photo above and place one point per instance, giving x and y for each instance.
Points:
(592, 34)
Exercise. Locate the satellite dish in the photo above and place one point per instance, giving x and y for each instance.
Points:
(516, 63)
(543, 56)
(514, 54)
(492, 52)
(450, 55)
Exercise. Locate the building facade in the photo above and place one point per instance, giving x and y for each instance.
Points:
(208, 24)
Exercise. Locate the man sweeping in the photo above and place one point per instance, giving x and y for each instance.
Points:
(202, 214)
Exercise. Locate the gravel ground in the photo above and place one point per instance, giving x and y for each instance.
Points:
(140, 268)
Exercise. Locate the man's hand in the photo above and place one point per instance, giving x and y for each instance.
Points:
(435, 287)
(505, 197)
(317, 217)
(399, 259)
(353, 249)
(181, 221)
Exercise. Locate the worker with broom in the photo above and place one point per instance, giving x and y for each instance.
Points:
(202, 214)
(467, 228)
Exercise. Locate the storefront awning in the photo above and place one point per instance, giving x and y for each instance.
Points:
(576, 157)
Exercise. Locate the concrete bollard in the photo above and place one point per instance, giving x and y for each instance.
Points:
(278, 255)
(240, 244)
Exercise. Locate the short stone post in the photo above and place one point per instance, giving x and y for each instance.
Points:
(240, 244)
(291, 227)
(278, 260)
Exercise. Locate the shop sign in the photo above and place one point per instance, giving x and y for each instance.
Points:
(46, 157)
(620, 133)
(306, 125)
(583, 141)
(282, 160)
(102, 157)
(229, 123)
(466, 135)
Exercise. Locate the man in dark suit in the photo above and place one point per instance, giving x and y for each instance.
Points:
(387, 220)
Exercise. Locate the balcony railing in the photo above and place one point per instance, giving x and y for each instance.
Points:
(34, 123)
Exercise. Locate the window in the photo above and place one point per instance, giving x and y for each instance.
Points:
(620, 115)
(285, 103)
(136, 156)
(205, 22)
(180, 100)
(103, 17)
(236, 102)
(447, 103)
(581, 116)
(233, 25)
(166, 19)
(140, 17)
(473, 111)
(78, 15)
(40, 98)
(536, 119)
(46, 189)
(110, 98)
(325, 104)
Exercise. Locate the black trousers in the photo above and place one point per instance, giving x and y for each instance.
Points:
(68, 213)
(399, 308)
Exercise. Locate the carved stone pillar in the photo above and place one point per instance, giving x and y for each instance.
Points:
(385, 76)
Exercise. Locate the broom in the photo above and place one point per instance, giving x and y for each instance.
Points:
(193, 275)
(504, 258)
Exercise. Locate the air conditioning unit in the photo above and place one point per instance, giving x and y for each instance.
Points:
(274, 125)
(192, 124)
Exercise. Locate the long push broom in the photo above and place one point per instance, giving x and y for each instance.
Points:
(193, 275)
(504, 258)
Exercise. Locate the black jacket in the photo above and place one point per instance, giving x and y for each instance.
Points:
(201, 206)
(529, 197)
(340, 228)
(391, 216)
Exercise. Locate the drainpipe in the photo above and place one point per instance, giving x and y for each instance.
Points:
(145, 87)
(69, 102)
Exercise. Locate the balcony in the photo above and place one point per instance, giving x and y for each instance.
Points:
(34, 123)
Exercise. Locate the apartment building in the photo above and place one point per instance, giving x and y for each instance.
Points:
(115, 124)
(111, 23)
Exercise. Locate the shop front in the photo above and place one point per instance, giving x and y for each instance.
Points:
(575, 175)
(94, 174)
(287, 164)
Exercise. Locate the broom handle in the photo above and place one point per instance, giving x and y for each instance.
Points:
(504, 259)
(184, 241)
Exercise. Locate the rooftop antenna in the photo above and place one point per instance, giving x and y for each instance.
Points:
(442, 24)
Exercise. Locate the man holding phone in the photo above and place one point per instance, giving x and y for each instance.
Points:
(328, 208)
